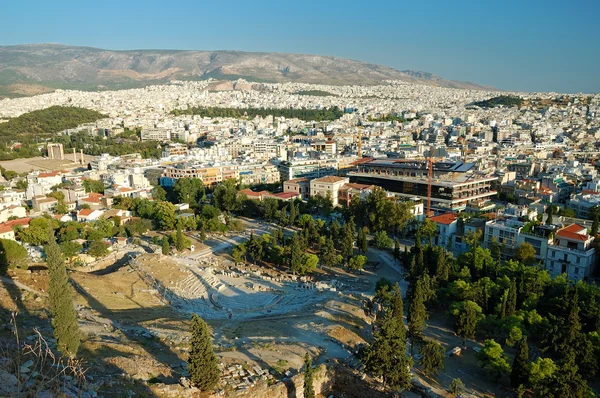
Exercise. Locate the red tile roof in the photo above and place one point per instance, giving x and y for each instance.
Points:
(573, 232)
(331, 179)
(285, 195)
(18, 221)
(5, 229)
(85, 212)
(446, 218)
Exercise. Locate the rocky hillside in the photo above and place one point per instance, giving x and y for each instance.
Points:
(31, 69)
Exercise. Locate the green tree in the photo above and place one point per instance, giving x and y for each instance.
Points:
(225, 196)
(357, 262)
(309, 391)
(203, 365)
(189, 190)
(525, 253)
(417, 313)
(432, 357)
(308, 263)
(594, 230)
(386, 357)
(457, 387)
(60, 300)
(61, 208)
(164, 213)
(239, 252)
(541, 370)
(466, 318)
(550, 213)
(397, 252)
(519, 374)
(382, 240)
(93, 186)
(179, 238)
(296, 255)
(492, 356)
(159, 193)
(329, 255)
(166, 248)
(270, 205)
(12, 255)
(427, 230)
(511, 299)
(362, 240)
(97, 249)
(567, 382)
(294, 212)
(347, 241)
(70, 249)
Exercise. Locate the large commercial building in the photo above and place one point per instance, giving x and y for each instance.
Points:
(454, 184)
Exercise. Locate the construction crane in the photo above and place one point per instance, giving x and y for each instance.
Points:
(359, 142)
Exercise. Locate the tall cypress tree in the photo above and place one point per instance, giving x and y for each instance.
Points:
(203, 365)
(60, 298)
(594, 231)
(511, 299)
(519, 374)
(296, 253)
(417, 313)
(386, 357)
(309, 391)
(442, 268)
(166, 249)
(179, 240)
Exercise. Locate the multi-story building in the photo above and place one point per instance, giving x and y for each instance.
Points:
(290, 170)
(446, 227)
(155, 134)
(453, 185)
(209, 175)
(583, 202)
(504, 232)
(328, 186)
(348, 191)
(175, 149)
(254, 174)
(572, 253)
(298, 185)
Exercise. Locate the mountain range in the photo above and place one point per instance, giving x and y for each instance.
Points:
(35, 68)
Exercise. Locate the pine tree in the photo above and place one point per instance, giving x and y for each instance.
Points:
(442, 269)
(432, 357)
(329, 254)
(166, 249)
(511, 299)
(417, 313)
(397, 252)
(60, 298)
(203, 365)
(309, 391)
(386, 357)
(294, 210)
(296, 254)
(519, 374)
(179, 239)
(363, 243)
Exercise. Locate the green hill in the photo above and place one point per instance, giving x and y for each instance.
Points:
(45, 122)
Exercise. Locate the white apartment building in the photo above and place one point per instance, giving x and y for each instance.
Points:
(155, 134)
(572, 253)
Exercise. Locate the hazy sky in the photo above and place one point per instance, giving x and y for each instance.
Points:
(528, 45)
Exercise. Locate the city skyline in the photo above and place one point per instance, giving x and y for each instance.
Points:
(534, 46)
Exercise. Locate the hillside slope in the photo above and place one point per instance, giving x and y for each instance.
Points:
(28, 69)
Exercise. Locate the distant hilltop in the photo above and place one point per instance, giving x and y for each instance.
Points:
(36, 68)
